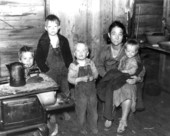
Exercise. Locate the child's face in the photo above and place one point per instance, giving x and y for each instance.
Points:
(52, 28)
(81, 51)
(27, 59)
(116, 35)
(130, 51)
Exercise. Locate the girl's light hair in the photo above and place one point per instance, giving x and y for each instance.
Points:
(80, 43)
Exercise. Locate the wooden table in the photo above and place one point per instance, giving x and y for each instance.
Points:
(8, 93)
(164, 65)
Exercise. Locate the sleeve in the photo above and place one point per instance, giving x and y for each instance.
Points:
(94, 70)
(40, 58)
(72, 73)
(140, 73)
(100, 63)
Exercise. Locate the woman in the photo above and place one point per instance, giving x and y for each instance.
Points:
(108, 59)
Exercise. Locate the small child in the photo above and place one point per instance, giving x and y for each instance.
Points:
(26, 57)
(82, 73)
(129, 63)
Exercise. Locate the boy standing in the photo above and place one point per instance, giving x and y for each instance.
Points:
(53, 55)
(82, 73)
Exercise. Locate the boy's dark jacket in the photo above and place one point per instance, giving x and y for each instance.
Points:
(43, 48)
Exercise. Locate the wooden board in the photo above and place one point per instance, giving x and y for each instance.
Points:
(21, 23)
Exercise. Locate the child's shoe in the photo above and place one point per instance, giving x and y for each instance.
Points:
(66, 116)
(108, 123)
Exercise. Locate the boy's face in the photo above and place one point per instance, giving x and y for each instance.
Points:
(81, 51)
(52, 28)
(27, 59)
(130, 51)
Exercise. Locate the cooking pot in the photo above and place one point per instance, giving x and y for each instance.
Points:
(17, 74)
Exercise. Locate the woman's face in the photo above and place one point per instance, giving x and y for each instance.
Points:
(116, 35)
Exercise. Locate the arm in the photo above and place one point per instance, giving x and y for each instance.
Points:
(139, 74)
(100, 62)
(40, 57)
(73, 75)
(94, 70)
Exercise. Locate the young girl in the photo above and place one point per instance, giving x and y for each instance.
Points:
(82, 73)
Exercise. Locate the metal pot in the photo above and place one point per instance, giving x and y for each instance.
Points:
(17, 74)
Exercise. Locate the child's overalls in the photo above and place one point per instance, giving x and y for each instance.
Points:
(57, 69)
(86, 100)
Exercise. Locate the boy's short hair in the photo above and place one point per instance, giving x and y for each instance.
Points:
(25, 49)
(132, 42)
(52, 17)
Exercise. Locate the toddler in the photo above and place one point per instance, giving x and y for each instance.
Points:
(82, 73)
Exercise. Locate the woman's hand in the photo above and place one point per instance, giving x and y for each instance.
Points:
(133, 80)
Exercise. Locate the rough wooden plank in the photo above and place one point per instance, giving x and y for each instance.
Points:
(106, 17)
(149, 9)
(159, 2)
(21, 2)
(93, 27)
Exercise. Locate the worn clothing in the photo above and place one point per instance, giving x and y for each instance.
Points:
(54, 61)
(30, 70)
(131, 66)
(105, 63)
(113, 80)
(128, 64)
(57, 69)
(43, 49)
(74, 70)
(85, 93)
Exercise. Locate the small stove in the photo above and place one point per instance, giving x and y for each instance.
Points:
(20, 112)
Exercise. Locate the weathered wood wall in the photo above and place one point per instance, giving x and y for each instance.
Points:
(87, 20)
(148, 16)
(166, 12)
(21, 23)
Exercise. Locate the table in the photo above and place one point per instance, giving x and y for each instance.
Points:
(164, 65)
(24, 98)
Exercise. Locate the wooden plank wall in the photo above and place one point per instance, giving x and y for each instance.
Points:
(148, 16)
(166, 12)
(87, 20)
(21, 23)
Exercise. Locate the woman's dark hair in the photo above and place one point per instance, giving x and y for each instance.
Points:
(120, 25)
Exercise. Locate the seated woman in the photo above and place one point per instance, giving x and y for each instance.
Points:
(109, 58)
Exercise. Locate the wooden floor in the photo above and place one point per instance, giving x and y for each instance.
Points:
(153, 121)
